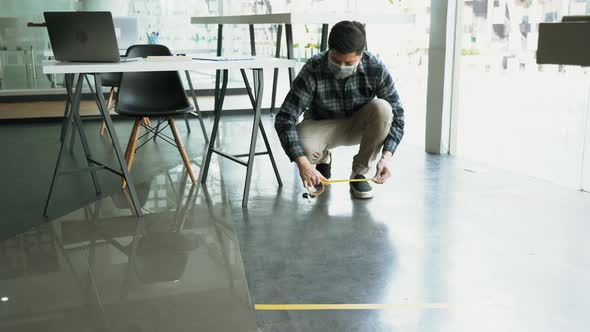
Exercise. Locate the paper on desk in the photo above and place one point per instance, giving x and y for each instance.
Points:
(219, 58)
(166, 58)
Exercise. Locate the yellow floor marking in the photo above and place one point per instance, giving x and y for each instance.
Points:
(365, 306)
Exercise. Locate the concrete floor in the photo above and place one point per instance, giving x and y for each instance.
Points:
(446, 245)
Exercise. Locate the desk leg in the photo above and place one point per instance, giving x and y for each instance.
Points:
(275, 77)
(218, 107)
(253, 51)
(95, 93)
(252, 40)
(73, 133)
(188, 126)
(72, 141)
(85, 145)
(117, 147)
(199, 114)
(262, 131)
(255, 127)
(67, 124)
(219, 52)
(289, 36)
(272, 158)
(67, 82)
(324, 42)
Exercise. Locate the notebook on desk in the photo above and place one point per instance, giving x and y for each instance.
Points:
(166, 58)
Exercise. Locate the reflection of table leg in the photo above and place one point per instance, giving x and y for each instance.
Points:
(131, 252)
(275, 77)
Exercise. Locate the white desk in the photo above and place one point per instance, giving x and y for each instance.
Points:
(142, 65)
(258, 64)
(288, 19)
(307, 18)
(122, 51)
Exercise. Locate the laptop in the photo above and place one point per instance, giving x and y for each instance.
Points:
(82, 36)
(126, 30)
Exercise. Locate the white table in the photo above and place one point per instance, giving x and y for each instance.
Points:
(288, 19)
(123, 51)
(307, 18)
(258, 64)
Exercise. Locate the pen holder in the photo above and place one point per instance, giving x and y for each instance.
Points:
(153, 39)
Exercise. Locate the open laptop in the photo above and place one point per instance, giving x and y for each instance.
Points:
(126, 30)
(82, 36)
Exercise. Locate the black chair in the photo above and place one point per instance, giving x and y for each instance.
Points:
(152, 94)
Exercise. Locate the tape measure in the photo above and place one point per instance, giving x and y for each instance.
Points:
(313, 194)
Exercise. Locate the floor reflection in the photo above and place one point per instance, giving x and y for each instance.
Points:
(102, 269)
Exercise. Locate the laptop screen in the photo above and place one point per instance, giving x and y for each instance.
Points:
(82, 36)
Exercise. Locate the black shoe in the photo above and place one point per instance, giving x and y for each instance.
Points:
(325, 169)
(361, 189)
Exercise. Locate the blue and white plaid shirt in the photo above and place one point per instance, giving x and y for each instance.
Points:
(318, 92)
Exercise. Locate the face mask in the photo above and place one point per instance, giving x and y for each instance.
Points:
(341, 72)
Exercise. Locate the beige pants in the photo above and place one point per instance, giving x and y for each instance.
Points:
(368, 127)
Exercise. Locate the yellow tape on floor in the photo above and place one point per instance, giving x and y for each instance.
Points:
(414, 306)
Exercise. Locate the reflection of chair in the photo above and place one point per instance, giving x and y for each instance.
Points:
(159, 251)
(152, 94)
(163, 256)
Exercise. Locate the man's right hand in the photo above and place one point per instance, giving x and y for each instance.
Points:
(309, 175)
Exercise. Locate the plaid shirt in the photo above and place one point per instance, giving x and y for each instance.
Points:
(316, 91)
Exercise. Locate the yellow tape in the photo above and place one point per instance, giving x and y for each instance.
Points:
(324, 183)
(366, 306)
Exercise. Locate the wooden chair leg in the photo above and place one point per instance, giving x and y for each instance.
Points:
(146, 121)
(130, 153)
(185, 159)
(109, 105)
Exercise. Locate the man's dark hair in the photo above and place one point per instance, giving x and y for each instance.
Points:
(348, 37)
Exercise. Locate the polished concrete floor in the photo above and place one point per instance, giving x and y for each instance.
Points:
(446, 245)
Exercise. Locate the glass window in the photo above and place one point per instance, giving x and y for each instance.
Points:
(402, 46)
(513, 113)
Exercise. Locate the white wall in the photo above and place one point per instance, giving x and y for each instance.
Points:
(586, 161)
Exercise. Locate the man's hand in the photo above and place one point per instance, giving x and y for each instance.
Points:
(383, 173)
(309, 175)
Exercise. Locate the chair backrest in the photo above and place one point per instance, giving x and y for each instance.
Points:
(151, 92)
(110, 79)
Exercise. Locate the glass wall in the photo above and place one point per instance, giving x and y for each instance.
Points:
(21, 47)
(513, 113)
(402, 46)
(404, 49)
